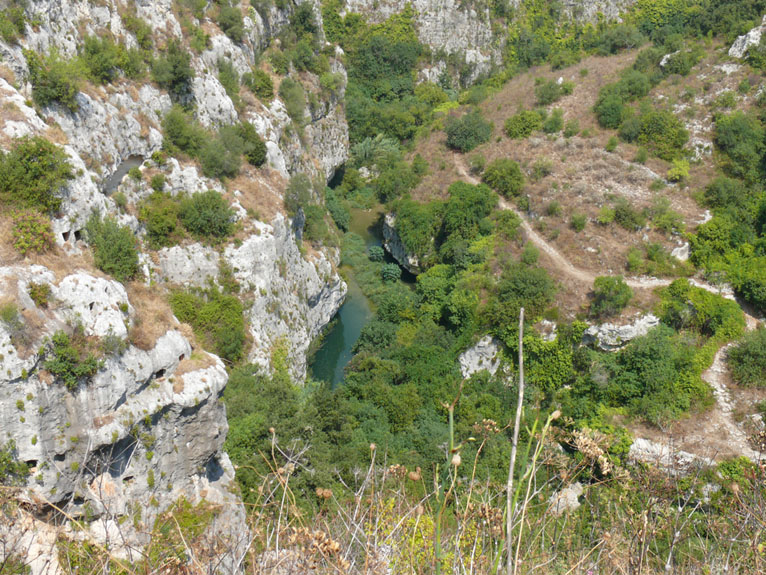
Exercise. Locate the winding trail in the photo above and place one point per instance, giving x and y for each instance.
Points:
(719, 422)
(562, 263)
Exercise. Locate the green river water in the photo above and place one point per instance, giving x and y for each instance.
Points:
(331, 359)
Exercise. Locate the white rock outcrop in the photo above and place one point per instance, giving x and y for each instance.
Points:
(611, 337)
(675, 461)
(120, 447)
(394, 245)
(742, 44)
(484, 354)
(293, 297)
(566, 500)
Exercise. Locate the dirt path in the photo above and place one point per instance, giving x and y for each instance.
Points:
(720, 419)
(561, 262)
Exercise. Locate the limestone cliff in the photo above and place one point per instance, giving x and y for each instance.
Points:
(145, 428)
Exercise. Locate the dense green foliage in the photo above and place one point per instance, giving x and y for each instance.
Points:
(114, 247)
(550, 91)
(504, 176)
(172, 70)
(610, 296)
(206, 215)
(12, 21)
(68, 360)
(748, 359)
(522, 125)
(230, 20)
(467, 131)
(53, 79)
(12, 472)
(259, 83)
(32, 232)
(159, 213)
(32, 174)
(104, 59)
(221, 155)
(217, 320)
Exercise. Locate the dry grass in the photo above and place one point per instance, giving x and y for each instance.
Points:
(262, 191)
(7, 74)
(153, 314)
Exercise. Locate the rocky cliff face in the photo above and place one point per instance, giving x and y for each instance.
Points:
(394, 245)
(118, 449)
(147, 429)
(455, 27)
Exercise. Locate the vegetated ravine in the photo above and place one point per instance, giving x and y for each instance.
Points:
(331, 359)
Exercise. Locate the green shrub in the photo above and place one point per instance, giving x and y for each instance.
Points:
(541, 168)
(663, 134)
(748, 359)
(11, 320)
(230, 21)
(172, 71)
(337, 209)
(157, 182)
(299, 193)
(476, 163)
(219, 160)
(140, 29)
(12, 472)
(315, 228)
(134, 173)
(610, 296)
(630, 129)
(553, 209)
(611, 144)
(216, 318)
(430, 93)
(554, 122)
(31, 232)
(530, 255)
(679, 171)
(260, 84)
(641, 155)
(605, 215)
(628, 217)
(468, 131)
(68, 362)
(549, 91)
(578, 222)
(609, 111)
(572, 128)
(32, 174)
(294, 99)
(206, 215)
(522, 125)
(254, 148)
(12, 22)
(376, 254)
(229, 79)
(114, 247)
(664, 218)
(39, 293)
(101, 57)
(53, 80)
(182, 132)
(504, 176)
(741, 138)
(390, 272)
(159, 213)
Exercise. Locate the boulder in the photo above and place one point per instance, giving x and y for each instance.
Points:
(611, 337)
